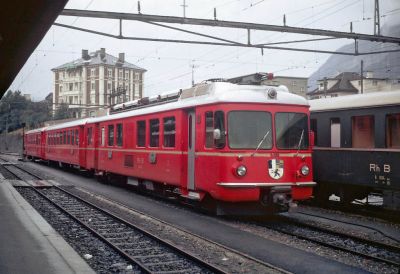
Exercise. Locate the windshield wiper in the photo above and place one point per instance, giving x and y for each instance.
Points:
(260, 143)
(301, 139)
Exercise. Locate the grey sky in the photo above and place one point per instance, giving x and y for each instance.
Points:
(169, 65)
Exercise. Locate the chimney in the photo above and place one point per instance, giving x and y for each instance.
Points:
(85, 54)
(102, 53)
(121, 57)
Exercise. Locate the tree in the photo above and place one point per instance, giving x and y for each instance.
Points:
(62, 112)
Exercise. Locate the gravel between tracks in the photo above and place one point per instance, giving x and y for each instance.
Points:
(104, 260)
(215, 254)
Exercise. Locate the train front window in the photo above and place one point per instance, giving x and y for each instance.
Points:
(250, 129)
(291, 130)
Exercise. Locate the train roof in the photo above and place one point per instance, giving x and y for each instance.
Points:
(36, 130)
(69, 124)
(215, 92)
(375, 99)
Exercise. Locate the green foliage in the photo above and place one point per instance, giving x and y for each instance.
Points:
(63, 112)
(16, 110)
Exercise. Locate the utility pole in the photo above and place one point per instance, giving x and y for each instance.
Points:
(193, 75)
(325, 86)
(184, 8)
(377, 25)
(362, 77)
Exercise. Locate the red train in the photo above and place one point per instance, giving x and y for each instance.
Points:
(238, 149)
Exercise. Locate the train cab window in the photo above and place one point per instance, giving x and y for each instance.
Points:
(103, 136)
(249, 130)
(393, 130)
(219, 123)
(89, 136)
(154, 132)
(335, 132)
(119, 135)
(209, 123)
(141, 133)
(363, 132)
(76, 137)
(169, 131)
(291, 130)
(111, 135)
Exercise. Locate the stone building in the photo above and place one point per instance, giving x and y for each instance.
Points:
(297, 85)
(347, 83)
(95, 81)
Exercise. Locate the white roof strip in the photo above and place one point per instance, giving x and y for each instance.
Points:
(356, 101)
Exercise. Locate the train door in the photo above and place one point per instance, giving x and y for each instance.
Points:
(191, 120)
(98, 139)
(82, 147)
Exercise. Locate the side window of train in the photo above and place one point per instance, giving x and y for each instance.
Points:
(110, 135)
(76, 137)
(154, 132)
(65, 137)
(393, 130)
(363, 135)
(219, 123)
(335, 132)
(119, 135)
(141, 133)
(103, 136)
(209, 123)
(89, 136)
(68, 137)
(169, 131)
(72, 137)
(313, 125)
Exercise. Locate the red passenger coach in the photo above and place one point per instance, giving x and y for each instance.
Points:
(34, 143)
(238, 149)
(63, 143)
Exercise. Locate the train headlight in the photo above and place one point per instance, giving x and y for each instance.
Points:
(305, 170)
(241, 171)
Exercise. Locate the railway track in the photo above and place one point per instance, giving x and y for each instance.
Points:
(144, 250)
(365, 248)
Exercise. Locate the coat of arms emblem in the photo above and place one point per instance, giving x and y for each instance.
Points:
(275, 168)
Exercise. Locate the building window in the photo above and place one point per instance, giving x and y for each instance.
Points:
(92, 86)
(169, 131)
(109, 86)
(154, 132)
(60, 89)
(126, 74)
(109, 72)
(119, 135)
(120, 73)
(374, 82)
(76, 86)
(136, 76)
(111, 135)
(335, 132)
(92, 72)
(393, 130)
(141, 134)
(363, 135)
(293, 83)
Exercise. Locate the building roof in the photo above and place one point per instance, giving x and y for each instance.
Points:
(343, 84)
(374, 99)
(95, 59)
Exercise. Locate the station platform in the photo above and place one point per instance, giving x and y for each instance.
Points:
(28, 243)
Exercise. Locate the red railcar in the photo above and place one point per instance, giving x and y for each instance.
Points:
(63, 143)
(34, 143)
(241, 149)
